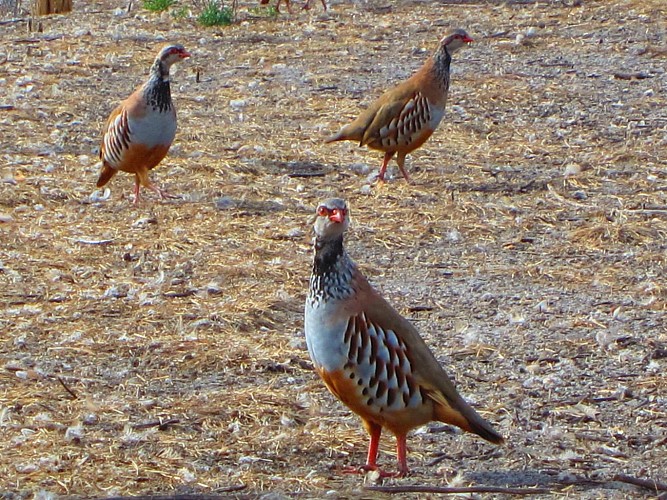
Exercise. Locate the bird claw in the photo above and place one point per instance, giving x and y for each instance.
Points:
(165, 195)
(363, 469)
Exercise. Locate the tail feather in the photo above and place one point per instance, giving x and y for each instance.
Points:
(469, 420)
(484, 430)
(105, 175)
(338, 136)
(347, 133)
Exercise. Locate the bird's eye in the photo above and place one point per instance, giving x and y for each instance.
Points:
(322, 211)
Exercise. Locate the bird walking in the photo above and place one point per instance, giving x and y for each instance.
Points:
(140, 131)
(371, 357)
(404, 117)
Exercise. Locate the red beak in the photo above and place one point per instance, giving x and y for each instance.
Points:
(184, 54)
(337, 216)
(467, 39)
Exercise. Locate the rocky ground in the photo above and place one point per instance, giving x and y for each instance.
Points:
(158, 348)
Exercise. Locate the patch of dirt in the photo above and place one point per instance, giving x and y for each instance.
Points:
(158, 348)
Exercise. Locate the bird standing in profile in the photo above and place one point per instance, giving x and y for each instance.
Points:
(140, 131)
(370, 356)
(404, 117)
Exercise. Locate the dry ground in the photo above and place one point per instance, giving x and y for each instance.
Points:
(158, 348)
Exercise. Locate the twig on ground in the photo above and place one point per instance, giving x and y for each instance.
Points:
(71, 392)
(649, 484)
(12, 21)
(161, 424)
(640, 75)
(453, 490)
(227, 489)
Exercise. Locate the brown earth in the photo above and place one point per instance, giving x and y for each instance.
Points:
(158, 348)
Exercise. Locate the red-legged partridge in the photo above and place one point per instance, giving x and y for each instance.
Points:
(140, 131)
(404, 117)
(370, 356)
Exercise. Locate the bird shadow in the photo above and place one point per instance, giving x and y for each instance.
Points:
(549, 479)
(297, 168)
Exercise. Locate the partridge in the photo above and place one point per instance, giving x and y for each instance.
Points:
(289, 9)
(140, 131)
(368, 355)
(404, 117)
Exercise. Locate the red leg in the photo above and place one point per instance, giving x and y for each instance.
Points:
(401, 451)
(400, 159)
(306, 6)
(375, 432)
(136, 190)
(371, 458)
(387, 156)
(144, 180)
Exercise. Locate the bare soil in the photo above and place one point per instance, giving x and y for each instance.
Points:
(158, 348)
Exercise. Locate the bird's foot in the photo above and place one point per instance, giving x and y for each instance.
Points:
(406, 176)
(350, 469)
(164, 194)
(381, 180)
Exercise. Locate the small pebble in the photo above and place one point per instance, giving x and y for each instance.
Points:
(460, 110)
(237, 103)
(453, 236)
(372, 177)
(213, 288)
(543, 306)
(97, 195)
(225, 203)
(91, 419)
(295, 233)
(360, 168)
(74, 434)
(571, 170)
(117, 291)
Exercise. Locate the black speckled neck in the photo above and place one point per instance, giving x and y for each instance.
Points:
(442, 60)
(332, 272)
(327, 254)
(157, 90)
